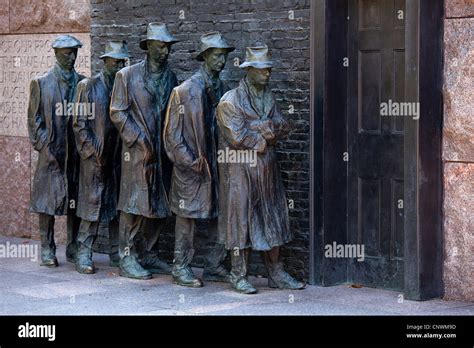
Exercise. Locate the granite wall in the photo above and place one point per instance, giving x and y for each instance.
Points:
(27, 28)
(458, 150)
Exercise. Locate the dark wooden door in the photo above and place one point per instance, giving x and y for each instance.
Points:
(376, 74)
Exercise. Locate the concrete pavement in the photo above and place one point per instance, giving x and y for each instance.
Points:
(28, 289)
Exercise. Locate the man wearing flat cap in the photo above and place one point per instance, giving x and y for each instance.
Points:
(190, 139)
(50, 130)
(139, 99)
(98, 145)
(253, 212)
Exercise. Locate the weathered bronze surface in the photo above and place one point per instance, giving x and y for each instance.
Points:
(139, 99)
(253, 212)
(190, 139)
(55, 182)
(98, 145)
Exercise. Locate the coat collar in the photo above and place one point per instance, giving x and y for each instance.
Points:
(107, 81)
(211, 91)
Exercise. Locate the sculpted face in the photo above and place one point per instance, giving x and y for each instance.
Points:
(215, 58)
(66, 57)
(113, 65)
(158, 51)
(258, 77)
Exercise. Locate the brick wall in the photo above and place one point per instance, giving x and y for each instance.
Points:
(281, 24)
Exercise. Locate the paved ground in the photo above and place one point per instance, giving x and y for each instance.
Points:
(28, 289)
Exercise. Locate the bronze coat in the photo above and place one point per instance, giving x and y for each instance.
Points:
(137, 110)
(253, 211)
(98, 145)
(57, 171)
(190, 139)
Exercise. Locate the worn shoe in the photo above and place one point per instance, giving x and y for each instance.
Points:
(84, 263)
(186, 277)
(153, 264)
(49, 262)
(48, 258)
(283, 280)
(219, 275)
(131, 268)
(243, 286)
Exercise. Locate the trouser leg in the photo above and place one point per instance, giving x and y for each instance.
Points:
(215, 252)
(73, 223)
(87, 234)
(46, 229)
(148, 246)
(183, 246)
(151, 234)
(129, 229)
(88, 231)
(238, 278)
(239, 262)
(183, 253)
(114, 239)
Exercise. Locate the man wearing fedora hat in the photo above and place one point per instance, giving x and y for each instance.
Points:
(253, 212)
(190, 139)
(139, 99)
(98, 145)
(50, 131)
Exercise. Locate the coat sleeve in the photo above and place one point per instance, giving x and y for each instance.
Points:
(120, 111)
(275, 127)
(174, 142)
(85, 139)
(281, 127)
(233, 128)
(36, 125)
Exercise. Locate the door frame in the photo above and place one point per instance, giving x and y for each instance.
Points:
(422, 145)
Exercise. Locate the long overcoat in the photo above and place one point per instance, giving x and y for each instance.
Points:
(253, 211)
(98, 145)
(55, 181)
(190, 139)
(137, 109)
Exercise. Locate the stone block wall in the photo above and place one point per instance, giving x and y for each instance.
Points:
(27, 28)
(458, 150)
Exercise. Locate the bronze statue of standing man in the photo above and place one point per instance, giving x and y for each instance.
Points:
(139, 99)
(190, 139)
(253, 212)
(98, 145)
(50, 130)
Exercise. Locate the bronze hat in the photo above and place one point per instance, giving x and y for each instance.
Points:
(212, 40)
(257, 57)
(116, 49)
(66, 41)
(158, 32)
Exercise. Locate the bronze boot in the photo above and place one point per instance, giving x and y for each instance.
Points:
(184, 276)
(84, 263)
(277, 277)
(238, 274)
(48, 247)
(131, 268)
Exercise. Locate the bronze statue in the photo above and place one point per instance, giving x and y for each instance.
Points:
(253, 212)
(98, 145)
(50, 130)
(139, 99)
(190, 139)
